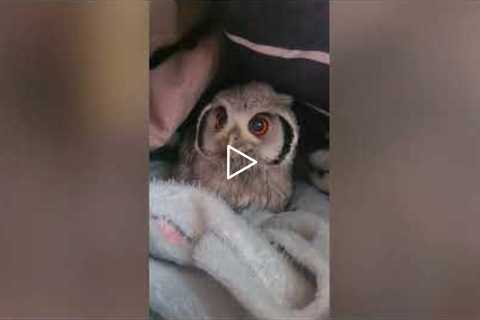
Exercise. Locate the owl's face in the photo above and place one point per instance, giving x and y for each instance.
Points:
(252, 118)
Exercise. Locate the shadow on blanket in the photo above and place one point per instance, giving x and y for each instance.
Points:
(208, 262)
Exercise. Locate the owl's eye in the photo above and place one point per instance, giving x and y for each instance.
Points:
(258, 125)
(220, 117)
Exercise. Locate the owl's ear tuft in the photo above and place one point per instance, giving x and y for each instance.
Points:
(284, 100)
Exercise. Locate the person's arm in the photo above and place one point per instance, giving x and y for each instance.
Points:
(175, 87)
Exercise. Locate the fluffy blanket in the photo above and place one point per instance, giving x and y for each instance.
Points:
(209, 262)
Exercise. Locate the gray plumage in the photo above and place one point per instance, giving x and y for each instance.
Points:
(257, 121)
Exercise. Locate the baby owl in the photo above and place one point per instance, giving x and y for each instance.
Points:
(256, 120)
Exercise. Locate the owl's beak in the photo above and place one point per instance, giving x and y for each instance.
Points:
(232, 138)
(237, 141)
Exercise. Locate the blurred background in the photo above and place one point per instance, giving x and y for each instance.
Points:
(405, 156)
(73, 159)
(405, 160)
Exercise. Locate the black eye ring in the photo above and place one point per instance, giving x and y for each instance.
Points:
(258, 125)
(220, 117)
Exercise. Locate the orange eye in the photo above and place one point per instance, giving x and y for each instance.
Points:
(258, 125)
(220, 118)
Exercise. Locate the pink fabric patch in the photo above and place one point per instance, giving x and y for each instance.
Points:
(170, 233)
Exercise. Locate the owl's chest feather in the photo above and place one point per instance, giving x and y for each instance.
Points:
(262, 187)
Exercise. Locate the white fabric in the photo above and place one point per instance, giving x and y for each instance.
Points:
(235, 251)
(312, 55)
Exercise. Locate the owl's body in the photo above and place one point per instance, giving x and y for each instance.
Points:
(263, 187)
(257, 121)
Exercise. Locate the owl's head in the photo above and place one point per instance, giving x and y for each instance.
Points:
(252, 118)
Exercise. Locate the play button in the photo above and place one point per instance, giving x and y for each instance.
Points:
(248, 166)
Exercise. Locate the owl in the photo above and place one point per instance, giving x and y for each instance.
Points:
(257, 121)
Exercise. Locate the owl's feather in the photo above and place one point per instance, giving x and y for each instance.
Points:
(267, 185)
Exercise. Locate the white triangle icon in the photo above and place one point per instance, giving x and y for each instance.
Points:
(251, 164)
